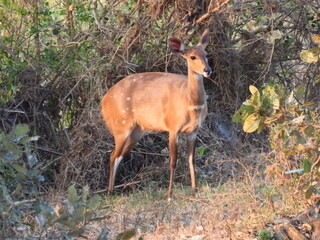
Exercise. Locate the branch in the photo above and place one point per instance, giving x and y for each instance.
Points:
(17, 203)
(210, 13)
(206, 15)
(2, 44)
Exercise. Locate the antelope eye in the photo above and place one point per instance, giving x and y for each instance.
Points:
(207, 55)
(193, 57)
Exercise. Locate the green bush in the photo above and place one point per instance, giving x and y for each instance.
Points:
(294, 130)
(294, 127)
(20, 171)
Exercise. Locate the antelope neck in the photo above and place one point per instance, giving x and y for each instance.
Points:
(195, 88)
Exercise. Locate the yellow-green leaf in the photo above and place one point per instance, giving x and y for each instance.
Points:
(300, 91)
(253, 90)
(276, 104)
(307, 166)
(308, 193)
(72, 194)
(251, 123)
(19, 169)
(21, 129)
(126, 235)
(255, 97)
(310, 55)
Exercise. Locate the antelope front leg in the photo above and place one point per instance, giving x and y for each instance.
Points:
(191, 139)
(173, 158)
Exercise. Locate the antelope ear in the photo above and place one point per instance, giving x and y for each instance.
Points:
(204, 40)
(176, 46)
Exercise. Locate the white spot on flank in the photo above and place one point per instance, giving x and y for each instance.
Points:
(134, 79)
(196, 107)
(123, 121)
(128, 98)
(133, 110)
(123, 111)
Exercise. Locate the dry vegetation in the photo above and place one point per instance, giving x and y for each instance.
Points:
(58, 58)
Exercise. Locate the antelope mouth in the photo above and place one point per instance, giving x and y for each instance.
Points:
(207, 74)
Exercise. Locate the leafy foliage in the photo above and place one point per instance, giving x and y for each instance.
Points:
(294, 128)
(20, 170)
(74, 216)
(259, 109)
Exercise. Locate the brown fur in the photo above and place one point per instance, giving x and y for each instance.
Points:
(155, 101)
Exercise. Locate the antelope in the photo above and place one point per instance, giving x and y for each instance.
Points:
(159, 101)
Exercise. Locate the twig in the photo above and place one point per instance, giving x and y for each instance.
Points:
(206, 15)
(118, 186)
(315, 164)
(17, 203)
(8, 50)
(127, 184)
(154, 154)
(48, 150)
(12, 111)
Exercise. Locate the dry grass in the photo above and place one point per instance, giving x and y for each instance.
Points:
(237, 209)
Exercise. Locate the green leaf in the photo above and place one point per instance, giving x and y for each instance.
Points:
(5, 194)
(260, 128)
(24, 139)
(126, 235)
(309, 131)
(306, 166)
(265, 102)
(47, 210)
(103, 235)
(243, 113)
(76, 232)
(252, 123)
(55, 31)
(308, 193)
(19, 169)
(32, 160)
(201, 151)
(94, 202)
(310, 55)
(85, 193)
(300, 91)
(21, 130)
(72, 194)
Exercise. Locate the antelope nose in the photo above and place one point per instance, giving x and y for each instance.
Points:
(208, 71)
